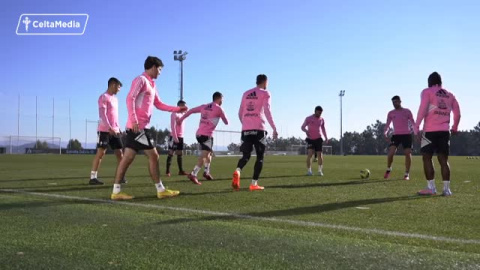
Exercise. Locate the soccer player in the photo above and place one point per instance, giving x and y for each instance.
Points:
(402, 119)
(142, 97)
(436, 105)
(255, 106)
(108, 130)
(312, 126)
(175, 140)
(211, 113)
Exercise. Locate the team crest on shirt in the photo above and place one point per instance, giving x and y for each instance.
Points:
(251, 106)
(442, 105)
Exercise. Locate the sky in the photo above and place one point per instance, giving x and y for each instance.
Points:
(309, 49)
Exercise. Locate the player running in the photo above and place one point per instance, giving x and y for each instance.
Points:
(313, 126)
(211, 113)
(403, 122)
(254, 108)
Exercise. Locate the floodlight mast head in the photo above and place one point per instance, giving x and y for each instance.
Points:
(179, 55)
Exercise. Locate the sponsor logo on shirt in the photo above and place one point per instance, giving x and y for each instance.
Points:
(441, 113)
(442, 93)
(252, 95)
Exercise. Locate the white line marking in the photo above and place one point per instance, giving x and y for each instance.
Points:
(242, 216)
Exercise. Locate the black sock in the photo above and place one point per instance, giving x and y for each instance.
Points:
(169, 163)
(180, 162)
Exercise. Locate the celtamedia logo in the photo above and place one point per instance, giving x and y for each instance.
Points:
(52, 24)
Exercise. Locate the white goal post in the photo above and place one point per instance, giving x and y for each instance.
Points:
(30, 145)
(327, 150)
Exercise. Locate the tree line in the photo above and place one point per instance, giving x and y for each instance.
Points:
(370, 141)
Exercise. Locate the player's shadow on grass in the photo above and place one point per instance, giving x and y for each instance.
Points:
(152, 197)
(334, 206)
(328, 184)
(316, 209)
(200, 178)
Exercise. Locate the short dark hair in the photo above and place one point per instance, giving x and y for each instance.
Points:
(180, 102)
(261, 78)
(319, 108)
(434, 79)
(114, 80)
(152, 61)
(396, 98)
(216, 95)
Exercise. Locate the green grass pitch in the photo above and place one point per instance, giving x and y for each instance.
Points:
(51, 219)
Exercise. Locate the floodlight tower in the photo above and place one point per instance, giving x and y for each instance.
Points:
(180, 56)
(342, 93)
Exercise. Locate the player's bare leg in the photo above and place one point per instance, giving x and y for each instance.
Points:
(309, 161)
(122, 168)
(97, 161)
(208, 162)
(154, 169)
(119, 156)
(201, 160)
(445, 168)
(429, 171)
(408, 163)
(320, 163)
(391, 153)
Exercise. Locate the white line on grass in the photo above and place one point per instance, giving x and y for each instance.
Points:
(241, 216)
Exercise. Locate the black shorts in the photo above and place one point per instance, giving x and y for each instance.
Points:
(175, 146)
(254, 138)
(142, 140)
(436, 142)
(206, 142)
(105, 139)
(406, 140)
(315, 145)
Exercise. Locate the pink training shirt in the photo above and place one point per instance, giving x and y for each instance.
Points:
(402, 122)
(140, 101)
(255, 107)
(435, 107)
(210, 115)
(176, 126)
(314, 125)
(108, 112)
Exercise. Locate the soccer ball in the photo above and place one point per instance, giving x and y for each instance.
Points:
(365, 173)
